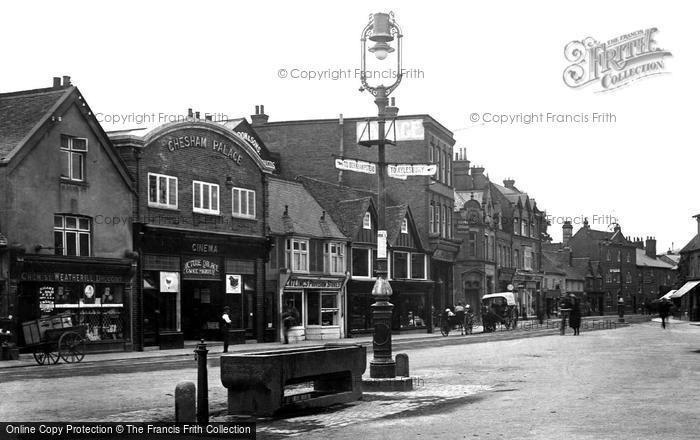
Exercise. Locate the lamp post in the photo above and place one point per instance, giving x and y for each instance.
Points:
(381, 29)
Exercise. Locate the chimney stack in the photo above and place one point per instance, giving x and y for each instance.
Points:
(56, 81)
(259, 118)
(697, 217)
(509, 183)
(460, 170)
(650, 247)
(66, 81)
(189, 113)
(477, 170)
(196, 115)
(567, 232)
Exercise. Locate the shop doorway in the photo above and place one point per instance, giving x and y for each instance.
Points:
(202, 307)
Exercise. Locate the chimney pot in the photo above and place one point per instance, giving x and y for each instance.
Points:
(57, 81)
(190, 114)
(196, 115)
(66, 81)
(262, 109)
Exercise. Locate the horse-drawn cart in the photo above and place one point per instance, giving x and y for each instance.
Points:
(54, 338)
(499, 308)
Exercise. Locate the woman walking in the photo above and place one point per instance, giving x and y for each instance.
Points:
(575, 317)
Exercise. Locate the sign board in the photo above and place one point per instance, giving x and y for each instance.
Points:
(314, 283)
(381, 244)
(412, 170)
(233, 283)
(614, 270)
(169, 282)
(200, 268)
(405, 129)
(46, 299)
(356, 165)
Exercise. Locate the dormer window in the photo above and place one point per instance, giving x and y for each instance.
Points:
(404, 226)
(367, 221)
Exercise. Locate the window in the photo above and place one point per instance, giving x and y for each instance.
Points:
(471, 249)
(71, 235)
(298, 255)
(444, 220)
(243, 202)
(438, 208)
(448, 216)
(443, 165)
(335, 257)
(449, 170)
(205, 197)
(628, 278)
(527, 257)
(73, 152)
(524, 232)
(628, 257)
(418, 266)
(516, 226)
(162, 191)
(608, 256)
(400, 269)
(431, 217)
(516, 257)
(404, 226)
(362, 262)
(367, 221)
(618, 256)
(322, 308)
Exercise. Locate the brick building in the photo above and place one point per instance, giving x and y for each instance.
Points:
(655, 276)
(63, 194)
(200, 230)
(689, 276)
(418, 138)
(501, 231)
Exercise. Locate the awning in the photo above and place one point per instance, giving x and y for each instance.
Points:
(668, 294)
(687, 287)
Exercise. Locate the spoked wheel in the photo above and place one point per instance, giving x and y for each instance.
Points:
(46, 357)
(445, 330)
(71, 346)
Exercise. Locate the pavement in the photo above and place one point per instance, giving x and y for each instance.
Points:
(216, 347)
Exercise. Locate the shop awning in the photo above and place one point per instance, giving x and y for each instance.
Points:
(668, 294)
(687, 287)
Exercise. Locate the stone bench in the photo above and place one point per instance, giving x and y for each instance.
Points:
(256, 381)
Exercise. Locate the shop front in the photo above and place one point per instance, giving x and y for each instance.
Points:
(318, 302)
(188, 277)
(412, 300)
(93, 292)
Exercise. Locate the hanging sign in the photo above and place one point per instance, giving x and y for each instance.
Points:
(412, 170)
(381, 244)
(356, 165)
(169, 282)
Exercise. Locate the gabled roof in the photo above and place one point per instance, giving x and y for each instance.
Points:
(394, 218)
(551, 265)
(349, 214)
(22, 113)
(644, 260)
(693, 245)
(293, 211)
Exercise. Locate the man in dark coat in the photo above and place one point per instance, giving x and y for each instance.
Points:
(664, 308)
(575, 317)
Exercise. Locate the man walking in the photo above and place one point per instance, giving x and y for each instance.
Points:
(664, 307)
(225, 326)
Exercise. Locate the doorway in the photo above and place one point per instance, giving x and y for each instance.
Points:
(202, 306)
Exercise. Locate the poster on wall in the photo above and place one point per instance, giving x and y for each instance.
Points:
(46, 299)
(233, 283)
(169, 282)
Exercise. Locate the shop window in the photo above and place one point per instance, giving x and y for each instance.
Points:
(404, 226)
(243, 202)
(362, 262)
(72, 235)
(418, 266)
(335, 257)
(367, 221)
(162, 191)
(329, 308)
(205, 197)
(412, 310)
(400, 265)
(73, 152)
(298, 255)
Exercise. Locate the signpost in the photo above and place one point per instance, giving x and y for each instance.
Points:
(411, 170)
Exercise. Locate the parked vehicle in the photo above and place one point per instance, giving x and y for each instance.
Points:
(499, 308)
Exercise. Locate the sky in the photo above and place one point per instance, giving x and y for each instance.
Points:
(465, 62)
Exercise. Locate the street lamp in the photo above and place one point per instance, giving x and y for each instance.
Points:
(382, 29)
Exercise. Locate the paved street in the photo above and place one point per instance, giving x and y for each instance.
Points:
(632, 382)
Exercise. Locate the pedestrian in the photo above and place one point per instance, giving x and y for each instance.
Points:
(575, 317)
(664, 307)
(459, 314)
(225, 326)
(290, 318)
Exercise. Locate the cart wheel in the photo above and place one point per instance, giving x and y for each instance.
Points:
(71, 347)
(46, 357)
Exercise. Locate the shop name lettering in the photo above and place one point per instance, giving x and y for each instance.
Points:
(182, 142)
(205, 248)
(614, 63)
(314, 284)
(70, 277)
(201, 267)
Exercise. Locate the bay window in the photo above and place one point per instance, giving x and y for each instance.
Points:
(335, 257)
(298, 255)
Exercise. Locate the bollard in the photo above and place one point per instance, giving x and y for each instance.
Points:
(202, 385)
(402, 365)
(184, 402)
